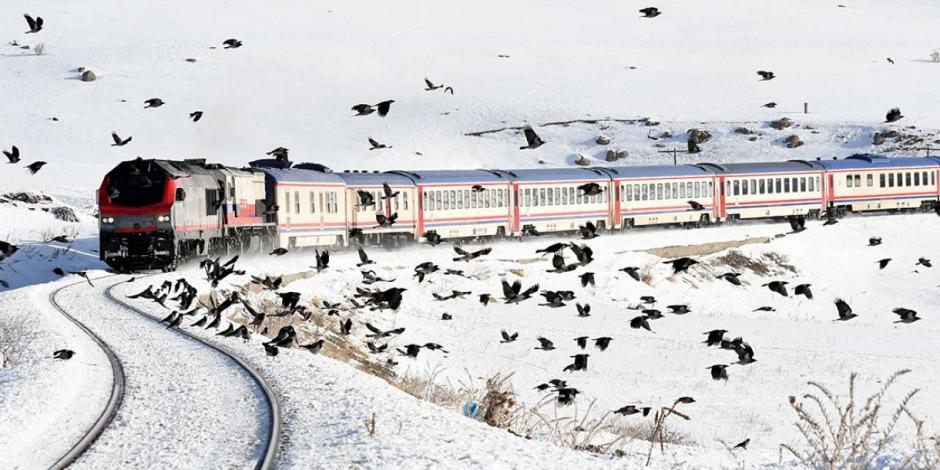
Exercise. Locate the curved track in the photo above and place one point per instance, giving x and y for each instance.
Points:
(117, 387)
(273, 436)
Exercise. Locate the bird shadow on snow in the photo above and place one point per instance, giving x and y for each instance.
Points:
(34, 263)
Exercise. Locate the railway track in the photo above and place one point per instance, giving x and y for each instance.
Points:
(264, 458)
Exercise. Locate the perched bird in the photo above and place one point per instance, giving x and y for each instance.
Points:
(35, 25)
(284, 336)
(883, 263)
(770, 105)
(323, 259)
(231, 44)
(118, 142)
(874, 241)
(845, 311)
(650, 12)
(431, 86)
(279, 154)
(893, 115)
(375, 145)
(34, 167)
(508, 338)
(270, 349)
(779, 287)
(923, 262)
(731, 277)
(13, 155)
(583, 310)
(633, 271)
(641, 321)
(602, 343)
(153, 103)
(681, 264)
(743, 444)
(719, 372)
(315, 346)
(765, 75)
(64, 354)
(588, 230)
(545, 344)
(587, 278)
(58, 271)
(195, 116)
(60, 239)
(715, 337)
(533, 140)
(907, 315)
(695, 206)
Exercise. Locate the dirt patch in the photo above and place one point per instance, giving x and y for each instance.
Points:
(767, 264)
(702, 249)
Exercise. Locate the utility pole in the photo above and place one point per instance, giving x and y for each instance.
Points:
(928, 150)
(675, 154)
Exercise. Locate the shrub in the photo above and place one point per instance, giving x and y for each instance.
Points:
(935, 55)
(15, 337)
(39, 49)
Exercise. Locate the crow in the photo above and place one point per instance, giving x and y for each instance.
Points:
(345, 327)
(602, 343)
(289, 300)
(533, 139)
(581, 341)
(227, 331)
(890, 61)
(467, 256)
(765, 75)
(715, 337)
(695, 206)
(770, 105)
(278, 252)
(232, 44)
(411, 350)
(485, 299)
(632, 410)
(641, 321)
(34, 167)
(681, 264)
(173, 320)
(384, 221)
(373, 349)
(778, 287)
(652, 313)
(13, 155)
(553, 299)
(680, 309)
(431, 86)
(477, 188)
(118, 142)
(874, 241)
(553, 248)
(907, 315)
(633, 271)
(153, 103)
(84, 275)
(384, 107)
(279, 153)
(508, 338)
(648, 299)
(845, 311)
(35, 25)
(923, 262)
(270, 349)
(893, 115)
(365, 198)
(323, 260)
(588, 230)
(58, 271)
(425, 269)
(883, 263)
(315, 346)
(514, 294)
(685, 400)
(284, 336)
(803, 289)
(432, 237)
(377, 333)
(64, 354)
(195, 116)
(590, 189)
(743, 444)
(363, 109)
(583, 310)
(580, 363)
(566, 396)
(583, 252)
(731, 277)
(719, 372)
(375, 145)
(692, 146)
(587, 278)
(545, 344)
(745, 353)
(363, 258)
(650, 12)
(559, 266)
(765, 308)
(435, 347)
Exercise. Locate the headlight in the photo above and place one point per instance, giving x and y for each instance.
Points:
(107, 220)
(163, 218)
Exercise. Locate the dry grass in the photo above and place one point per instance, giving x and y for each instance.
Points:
(767, 264)
(16, 335)
(702, 249)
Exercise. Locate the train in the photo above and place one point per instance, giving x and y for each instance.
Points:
(157, 213)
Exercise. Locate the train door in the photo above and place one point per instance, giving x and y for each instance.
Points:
(614, 207)
(419, 212)
(322, 208)
(722, 210)
(515, 196)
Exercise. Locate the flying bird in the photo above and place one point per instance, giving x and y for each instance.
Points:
(745, 353)
(278, 252)
(545, 344)
(743, 444)
(633, 271)
(714, 337)
(632, 410)
(118, 142)
(590, 189)
(680, 309)
(923, 262)
(765, 308)
(231, 44)
(553, 248)
(681, 264)
(35, 25)
(883, 263)
(731, 277)
(383, 107)
(893, 115)
(602, 343)
(153, 103)
(384, 221)
(890, 61)
(375, 145)
(779, 287)
(467, 256)
(695, 206)
(588, 230)
(533, 140)
(719, 372)
(363, 258)
(803, 289)
(583, 310)
(765, 75)
(195, 116)
(907, 315)
(874, 241)
(650, 12)
(580, 363)
(845, 311)
(34, 167)
(449, 90)
(641, 321)
(64, 354)
(770, 105)
(431, 86)
(508, 338)
(587, 278)
(13, 155)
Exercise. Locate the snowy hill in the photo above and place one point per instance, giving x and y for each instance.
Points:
(303, 65)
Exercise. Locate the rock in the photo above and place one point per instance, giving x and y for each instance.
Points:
(28, 198)
(80, 70)
(89, 76)
(699, 136)
(541, 162)
(64, 213)
(781, 124)
(190, 60)
(602, 140)
(752, 138)
(611, 156)
(621, 154)
(890, 134)
(582, 161)
(666, 135)
(659, 145)
(793, 141)
(878, 139)
(743, 130)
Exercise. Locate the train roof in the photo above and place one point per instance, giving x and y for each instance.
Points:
(456, 176)
(299, 175)
(757, 168)
(364, 178)
(869, 161)
(559, 174)
(659, 171)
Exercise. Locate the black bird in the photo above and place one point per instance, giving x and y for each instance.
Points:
(384, 221)
(434, 347)
(583, 310)
(765, 75)
(731, 277)
(34, 167)
(232, 44)
(449, 90)
(588, 230)
(315, 346)
(553, 299)
(745, 353)
(845, 311)
(580, 363)
(13, 155)
(529, 230)
(602, 343)
(377, 333)
(907, 315)
(375, 145)
(345, 327)
(553, 248)
(581, 341)
(366, 199)
(228, 331)
(890, 61)
(650, 12)
(289, 300)
(883, 263)
(363, 109)
(432, 237)
(467, 256)
(770, 105)
(373, 349)
(719, 372)
(566, 396)
(84, 275)
(641, 321)
(60, 239)
(118, 142)
(153, 103)
(363, 258)
(284, 336)
(893, 115)
(279, 153)
(64, 354)
(559, 266)
(477, 188)
(411, 350)
(195, 116)
(425, 269)
(590, 189)
(323, 259)
(803, 289)
(485, 299)
(686, 400)
(384, 107)
(743, 444)
(923, 262)
(692, 146)
(633, 271)
(680, 309)
(587, 278)
(681, 264)
(652, 313)
(715, 337)
(514, 294)
(632, 410)
(270, 349)
(431, 86)
(779, 287)
(648, 299)
(173, 320)
(545, 344)
(508, 338)
(58, 271)
(765, 308)
(695, 206)
(830, 218)
(533, 139)
(35, 25)
(874, 241)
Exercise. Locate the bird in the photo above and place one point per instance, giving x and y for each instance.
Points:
(803, 289)
(588, 230)
(587, 278)
(692, 146)
(765, 308)
(883, 263)
(719, 372)
(376, 146)
(770, 105)
(778, 287)
(153, 103)
(514, 294)
(363, 258)
(581, 341)
(485, 299)
(195, 116)
(765, 75)
(633, 271)
(323, 259)
(553, 248)
(650, 12)
(907, 315)
(874, 241)
(84, 275)
(278, 252)
(477, 188)
(384, 221)
(35, 25)
(685, 400)
(467, 256)
(60, 239)
(731, 277)
(118, 142)
(893, 115)
(590, 189)
(315, 346)
(583, 310)
(923, 262)
(632, 410)
(648, 299)
(641, 321)
(580, 363)
(365, 198)
(559, 266)
(602, 343)
(743, 444)
(695, 206)
(279, 153)
(714, 337)
(449, 89)
(13, 155)
(583, 253)
(284, 336)
(432, 237)
(681, 264)
(384, 107)
(553, 299)
(411, 350)
(345, 326)
(270, 349)
(508, 338)
(58, 271)
(363, 109)
(64, 354)
(845, 311)
(373, 349)
(652, 313)
(377, 333)
(545, 344)
(566, 395)
(533, 140)
(431, 86)
(231, 44)
(745, 353)
(34, 167)
(425, 269)
(680, 309)
(830, 218)
(890, 61)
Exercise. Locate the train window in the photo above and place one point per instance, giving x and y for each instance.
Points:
(404, 200)
(571, 192)
(933, 178)
(711, 189)
(475, 199)
(438, 201)
(453, 199)
(900, 179)
(313, 200)
(737, 187)
(446, 200)
(543, 200)
(870, 180)
(803, 184)
(557, 196)
(848, 181)
(668, 191)
(528, 198)
(916, 179)
(924, 177)
(881, 180)
(675, 190)
(858, 181)
(503, 197)
(426, 199)
(644, 192)
(761, 186)
(296, 202)
(659, 191)
(890, 180)
(491, 199)
(753, 187)
(810, 184)
(786, 185)
(459, 200)
(778, 186)
(907, 179)
(688, 189)
(466, 198)
(549, 199)
(744, 187)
